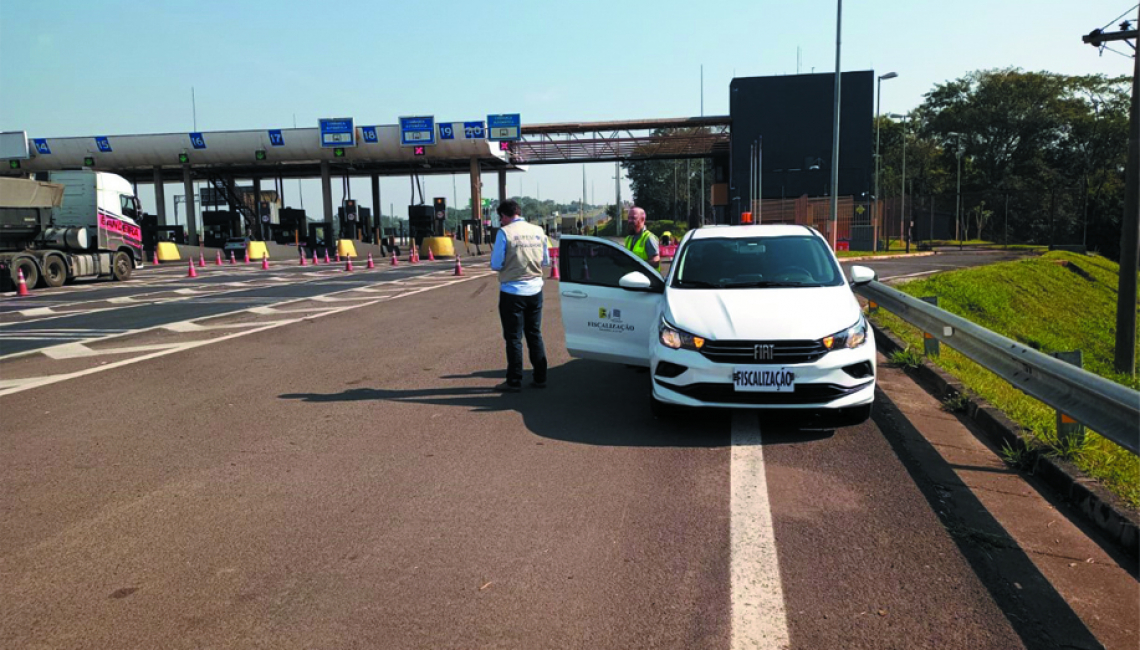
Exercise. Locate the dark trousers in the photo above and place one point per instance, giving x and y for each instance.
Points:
(522, 316)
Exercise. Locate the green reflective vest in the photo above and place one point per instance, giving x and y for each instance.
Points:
(638, 247)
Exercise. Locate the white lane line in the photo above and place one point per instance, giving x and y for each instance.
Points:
(758, 616)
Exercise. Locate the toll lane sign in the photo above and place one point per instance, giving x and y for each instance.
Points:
(504, 127)
(41, 146)
(369, 133)
(418, 130)
(337, 132)
(103, 144)
(275, 138)
(446, 132)
(474, 130)
(197, 141)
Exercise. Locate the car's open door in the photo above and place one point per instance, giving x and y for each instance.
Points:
(611, 300)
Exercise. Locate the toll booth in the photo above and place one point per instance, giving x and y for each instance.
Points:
(355, 221)
(421, 223)
(152, 233)
(320, 237)
(293, 227)
(220, 225)
(471, 231)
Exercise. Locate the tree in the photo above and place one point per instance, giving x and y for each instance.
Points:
(662, 187)
(981, 217)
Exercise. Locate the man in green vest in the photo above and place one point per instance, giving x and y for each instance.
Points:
(642, 242)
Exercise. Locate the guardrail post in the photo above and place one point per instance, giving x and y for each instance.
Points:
(872, 307)
(930, 346)
(1068, 429)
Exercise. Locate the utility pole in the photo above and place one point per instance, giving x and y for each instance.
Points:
(878, 159)
(1125, 356)
(617, 192)
(835, 131)
(702, 159)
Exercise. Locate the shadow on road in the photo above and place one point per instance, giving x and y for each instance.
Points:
(585, 402)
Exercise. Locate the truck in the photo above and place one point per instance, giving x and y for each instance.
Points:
(77, 224)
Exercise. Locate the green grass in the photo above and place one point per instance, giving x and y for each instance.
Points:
(894, 252)
(1048, 307)
(981, 243)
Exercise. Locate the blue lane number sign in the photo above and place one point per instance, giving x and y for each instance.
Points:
(41, 146)
(369, 133)
(474, 131)
(103, 143)
(337, 132)
(504, 127)
(197, 140)
(446, 132)
(419, 130)
(275, 138)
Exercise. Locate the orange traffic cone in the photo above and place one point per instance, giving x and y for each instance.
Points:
(193, 272)
(371, 264)
(201, 260)
(431, 258)
(316, 260)
(233, 259)
(458, 266)
(554, 275)
(265, 261)
(218, 261)
(21, 284)
(247, 256)
(302, 251)
(395, 262)
(156, 257)
(327, 260)
(348, 264)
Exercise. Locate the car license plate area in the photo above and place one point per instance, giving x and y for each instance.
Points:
(763, 379)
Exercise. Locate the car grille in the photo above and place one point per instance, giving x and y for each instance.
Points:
(783, 352)
(803, 394)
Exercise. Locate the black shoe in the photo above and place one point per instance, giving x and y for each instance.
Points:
(508, 387)
(537, 384)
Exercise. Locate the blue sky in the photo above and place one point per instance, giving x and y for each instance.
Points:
(81, 67)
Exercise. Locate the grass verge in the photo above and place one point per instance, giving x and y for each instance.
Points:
(1056, 302)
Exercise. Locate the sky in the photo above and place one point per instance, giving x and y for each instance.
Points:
(86, 67)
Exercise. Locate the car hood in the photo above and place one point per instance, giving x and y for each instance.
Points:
(762, 314)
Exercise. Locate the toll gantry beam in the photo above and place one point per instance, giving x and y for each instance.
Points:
(655, 139)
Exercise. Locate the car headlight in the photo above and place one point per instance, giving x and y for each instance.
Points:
(852, 337)
(674, 338)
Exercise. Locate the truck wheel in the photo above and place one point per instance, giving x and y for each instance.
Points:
(121, 267)
(55, 271)
(31, 272)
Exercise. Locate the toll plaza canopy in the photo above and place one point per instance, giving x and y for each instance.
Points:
(281, 153)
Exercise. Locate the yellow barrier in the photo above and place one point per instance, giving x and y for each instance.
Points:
(257, 250)
(345, 248)
(168, 252)
(439, 246)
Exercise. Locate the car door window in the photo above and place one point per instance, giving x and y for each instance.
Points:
(598, 263)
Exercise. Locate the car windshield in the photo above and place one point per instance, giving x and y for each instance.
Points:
(756, 262)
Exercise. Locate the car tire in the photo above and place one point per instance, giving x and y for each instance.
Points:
(121, 267)
(30, 269)
(55, 271)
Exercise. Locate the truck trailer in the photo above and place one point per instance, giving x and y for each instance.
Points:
(78, 224)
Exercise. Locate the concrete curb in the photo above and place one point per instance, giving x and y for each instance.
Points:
(865, 258)
(1096, 504)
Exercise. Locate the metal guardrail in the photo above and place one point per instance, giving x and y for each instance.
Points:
(1104, 406)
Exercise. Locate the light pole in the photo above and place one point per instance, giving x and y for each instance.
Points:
(878, 158)
(905, 234)
(835, 129)
(958, 200)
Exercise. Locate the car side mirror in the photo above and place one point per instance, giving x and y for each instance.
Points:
(635, 280)
(861, 275)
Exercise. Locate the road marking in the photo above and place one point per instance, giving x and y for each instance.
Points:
(758, 616)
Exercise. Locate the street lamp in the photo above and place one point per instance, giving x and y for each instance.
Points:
(902, 195)
(958, 200)
(878, 101)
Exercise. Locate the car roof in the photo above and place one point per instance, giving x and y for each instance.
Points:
(735, 232)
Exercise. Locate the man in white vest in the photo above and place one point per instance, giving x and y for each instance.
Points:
(519, 254)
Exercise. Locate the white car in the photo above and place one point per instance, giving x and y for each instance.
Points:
(748, 317)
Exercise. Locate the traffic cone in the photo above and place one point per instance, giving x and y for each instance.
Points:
(21, 284)
(371, 264)
(156, 257)
(338, 257)
(302, 256)
(458, 266)
(327, 260)
(233, 259)
(431, 258)
(247, 256)
(201, 260)
(265, 261)
(412, 258)
(193, 272)
(348, 264)
(554, 275)
(395, 262)
(316, 260)
(218, 261)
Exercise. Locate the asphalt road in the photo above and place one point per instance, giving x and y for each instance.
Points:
(352, 482)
